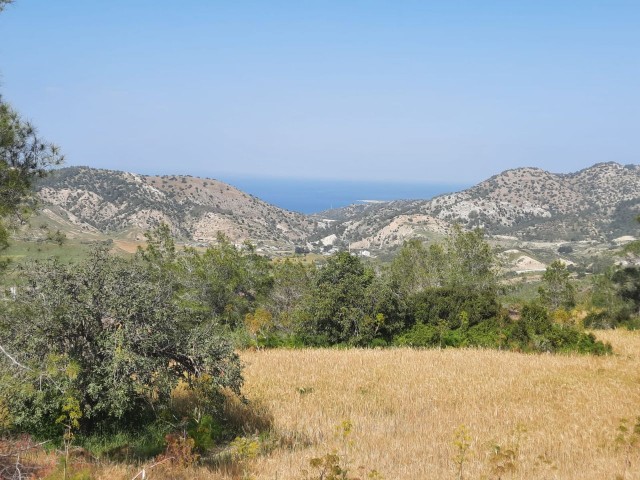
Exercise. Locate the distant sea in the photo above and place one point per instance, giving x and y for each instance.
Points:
(312, 196)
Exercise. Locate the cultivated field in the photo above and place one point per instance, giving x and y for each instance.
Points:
(559, 414)
(527, 416)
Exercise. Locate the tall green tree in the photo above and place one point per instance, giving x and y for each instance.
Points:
(292, 284)
(470, 262)
(463, 261)
(605, 293)
(556, 290)
(338, 309)
(223, 283)
(627, 282)
(417, 266)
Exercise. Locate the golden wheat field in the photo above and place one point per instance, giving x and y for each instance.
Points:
(526, 416)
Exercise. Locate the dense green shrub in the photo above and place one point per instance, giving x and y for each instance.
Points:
(453, 306)
(615, 299)
(534, 332)
(537, 333)
(420, 335)
(340, 308)
(101, 345)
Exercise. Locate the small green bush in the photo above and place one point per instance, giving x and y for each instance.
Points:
(420, 335)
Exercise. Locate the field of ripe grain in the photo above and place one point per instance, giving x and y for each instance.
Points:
(558, 414)
(527, 416)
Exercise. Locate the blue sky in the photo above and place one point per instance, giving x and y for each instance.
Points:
(434, 91)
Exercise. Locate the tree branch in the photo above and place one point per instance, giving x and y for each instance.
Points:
(13, 360)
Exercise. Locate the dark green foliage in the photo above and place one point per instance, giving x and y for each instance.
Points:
(616, 298)
(535, 319)
(416, 267)
(536, 332)
(103, 344)
(605, 320)
(24, 157)
(441, 296)
(470, 262)
(224, 282)
(291, 288)
(420, 335)
(492, 333)
(220, 284)
(455, 307)
(464, 261)
(338, 307)
(349, 304)
(627, 281)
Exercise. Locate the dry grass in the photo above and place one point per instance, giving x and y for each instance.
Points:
(405, 406)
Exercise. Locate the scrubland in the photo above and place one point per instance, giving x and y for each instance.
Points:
(524, 416)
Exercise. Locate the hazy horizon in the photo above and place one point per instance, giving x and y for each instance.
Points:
(436, 92)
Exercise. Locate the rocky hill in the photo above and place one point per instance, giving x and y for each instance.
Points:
(598, 203)
(196, 209)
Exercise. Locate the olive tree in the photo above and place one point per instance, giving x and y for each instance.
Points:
(104, 343)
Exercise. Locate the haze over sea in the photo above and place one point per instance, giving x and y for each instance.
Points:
(316, 195)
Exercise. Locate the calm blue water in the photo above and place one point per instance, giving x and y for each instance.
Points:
(311, 196)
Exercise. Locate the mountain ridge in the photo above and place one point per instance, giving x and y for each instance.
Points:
(598, 203)
(528, 203)
(195, 208)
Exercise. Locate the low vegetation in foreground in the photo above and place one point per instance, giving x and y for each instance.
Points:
(409, 414)
(133, 359)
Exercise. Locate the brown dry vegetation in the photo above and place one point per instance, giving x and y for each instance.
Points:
(405, 406)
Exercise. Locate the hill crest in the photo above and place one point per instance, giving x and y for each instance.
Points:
(597, 203)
